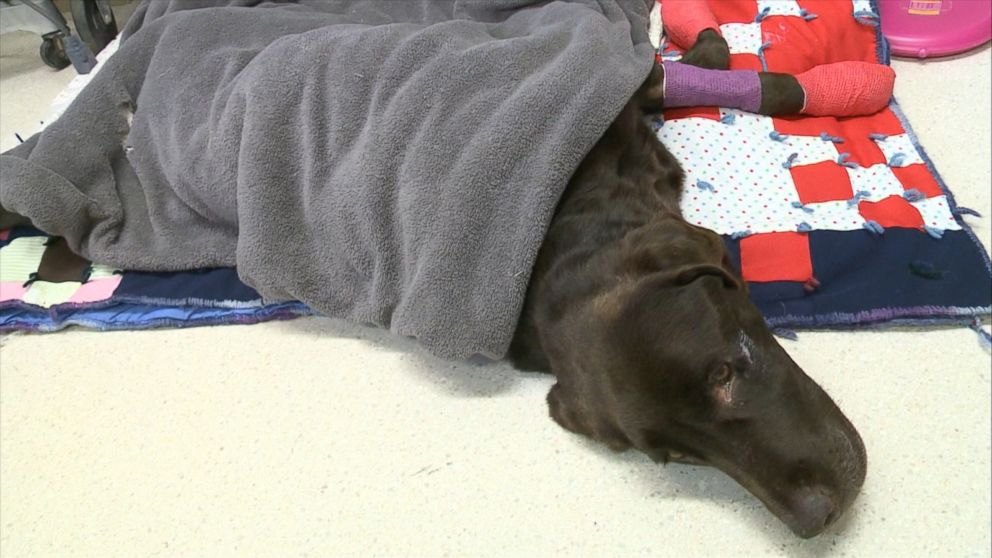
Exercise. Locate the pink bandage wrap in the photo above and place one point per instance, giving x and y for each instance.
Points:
(684, 20)
(847, 88)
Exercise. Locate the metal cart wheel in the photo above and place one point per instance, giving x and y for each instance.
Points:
(94, 20)
(53, 51)
(95, 23)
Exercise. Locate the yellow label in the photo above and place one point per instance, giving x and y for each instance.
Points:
(925, 7)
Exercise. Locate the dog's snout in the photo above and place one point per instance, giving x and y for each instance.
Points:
(815, 510)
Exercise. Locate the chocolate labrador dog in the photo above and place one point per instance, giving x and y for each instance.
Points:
(656, 345)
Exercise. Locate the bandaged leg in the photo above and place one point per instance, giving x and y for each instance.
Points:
(689, 86)
(841, 89)
(846, 88)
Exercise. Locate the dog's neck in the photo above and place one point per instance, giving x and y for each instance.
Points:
(628, 184)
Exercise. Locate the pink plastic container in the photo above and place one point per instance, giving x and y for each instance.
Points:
(930, 28)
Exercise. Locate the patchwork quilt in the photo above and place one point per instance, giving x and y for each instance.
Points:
(834, 222)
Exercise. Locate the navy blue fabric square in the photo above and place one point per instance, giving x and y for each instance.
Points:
(859, 270)
(205, 285)
(20, 232)
(864, 277)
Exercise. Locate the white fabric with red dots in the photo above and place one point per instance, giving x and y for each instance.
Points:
(736, 181)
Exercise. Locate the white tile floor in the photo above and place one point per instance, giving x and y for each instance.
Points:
(315, 437)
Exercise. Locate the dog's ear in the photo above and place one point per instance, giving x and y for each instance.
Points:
(669, 243)
(687, 274)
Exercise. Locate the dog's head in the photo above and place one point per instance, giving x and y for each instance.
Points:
(684, 369)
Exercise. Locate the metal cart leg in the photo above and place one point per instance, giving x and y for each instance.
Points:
(95, 22)
(93, 19)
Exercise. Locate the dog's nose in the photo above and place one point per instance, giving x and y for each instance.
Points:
(815, 510)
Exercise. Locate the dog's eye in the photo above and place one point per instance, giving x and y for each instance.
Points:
(722, 374)
(742, 363)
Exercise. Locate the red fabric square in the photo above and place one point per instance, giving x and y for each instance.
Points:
(863, 150)
(918, 177)
(838, 36)
(781, 256)
(820, 182)
(793, 44)
(745, 61)
(713, 113)
(806, 125)
(740, 11)
(893, 211)
(882, 122)
(835, 36)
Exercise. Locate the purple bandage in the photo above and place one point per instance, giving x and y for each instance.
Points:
(690, 86)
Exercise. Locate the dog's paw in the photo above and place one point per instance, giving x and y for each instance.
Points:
(780, 94)
(710, 51)
(571, 419)
(562, 414)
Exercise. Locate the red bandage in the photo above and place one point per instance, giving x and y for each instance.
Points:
(684, 20)
(847, 88)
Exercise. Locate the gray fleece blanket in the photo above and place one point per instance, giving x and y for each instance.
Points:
(391, 162)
